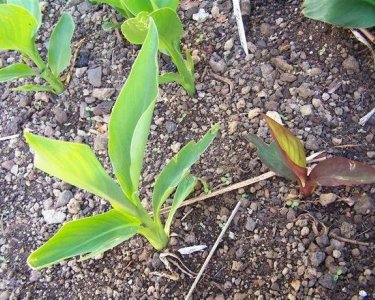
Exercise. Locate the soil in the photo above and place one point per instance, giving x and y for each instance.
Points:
(321, 84)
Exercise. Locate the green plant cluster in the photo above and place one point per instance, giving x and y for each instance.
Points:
(155, 25)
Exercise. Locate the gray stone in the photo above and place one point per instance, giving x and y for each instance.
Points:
(170, 126)
(228, 45)
(322, 241)
(266, 70)
(287, 77)
(35, 275)
(95, 76)
(326, 199)
(101, 142)
(250, 224)
(266, 29)
(327, 281)
(103, 108)
(61, 116)
(218, 66)
(350, 64)
(317, 258)
(52, 216)
(364, 205)
(304, 91)
(74, 206)
(64, 198)
(103, 93)
(306, 110)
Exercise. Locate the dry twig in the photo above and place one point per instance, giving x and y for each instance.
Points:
(9, 137)
(225, 80)
(218, 240)
(345, 240)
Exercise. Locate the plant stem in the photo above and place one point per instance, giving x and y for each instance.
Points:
(188, 77)
(46, 73)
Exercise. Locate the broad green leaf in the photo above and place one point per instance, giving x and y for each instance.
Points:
(291, 148)
(15, 71)
(59, 49)
(76, 164)
(116, 4)
(137, 6)
(170, 77)
(92, 236)
(172, 4)
(169, 27)
(346, 13)
(110, 25)
(271, 156)
(131, 117)
(167, 22)
(135, 29)
(178, 167)
(342, 171)
(17, 29)
(32, 6)
(183, 190)
(33, 88)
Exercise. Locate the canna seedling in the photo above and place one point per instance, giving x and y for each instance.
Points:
(129, 127)
(170, 33)
(131, 8)
(19, 24)
(286, 157)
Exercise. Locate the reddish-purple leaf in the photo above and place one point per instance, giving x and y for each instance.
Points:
(341, 171)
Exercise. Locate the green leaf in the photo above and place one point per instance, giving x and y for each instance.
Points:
(169, 27)
(17, 29)
(135, 29)
(137, 6)
(76, 164)
(110, 25)
(59, 49)
(167, 22)
(172, 4)
(33, 88)
(183, 190)
(15, 71)
(170, 77)
(271, 156)
(178, 167)
(116, 4)
(346, 13)
(32, 6)
(92, 235)
(131, 117)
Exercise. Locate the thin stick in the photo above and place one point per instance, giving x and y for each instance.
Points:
(231, 188)
(241, 30)
(218, 240)
(10, 137)
(367, 34)
(354, 242)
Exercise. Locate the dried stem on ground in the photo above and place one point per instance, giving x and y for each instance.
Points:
(218, 240)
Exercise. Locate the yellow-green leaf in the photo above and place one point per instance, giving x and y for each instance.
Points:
(17, 29)
(178, 167)
(33, 6)
(76, 164)
(185, 187)
(59, 49)
(92, 236)
(15, 71)
(130, 121)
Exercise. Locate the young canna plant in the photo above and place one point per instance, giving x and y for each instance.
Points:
(19, 24)
(286, 157)
(131, 8)
(76, 164)
(170, 33)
